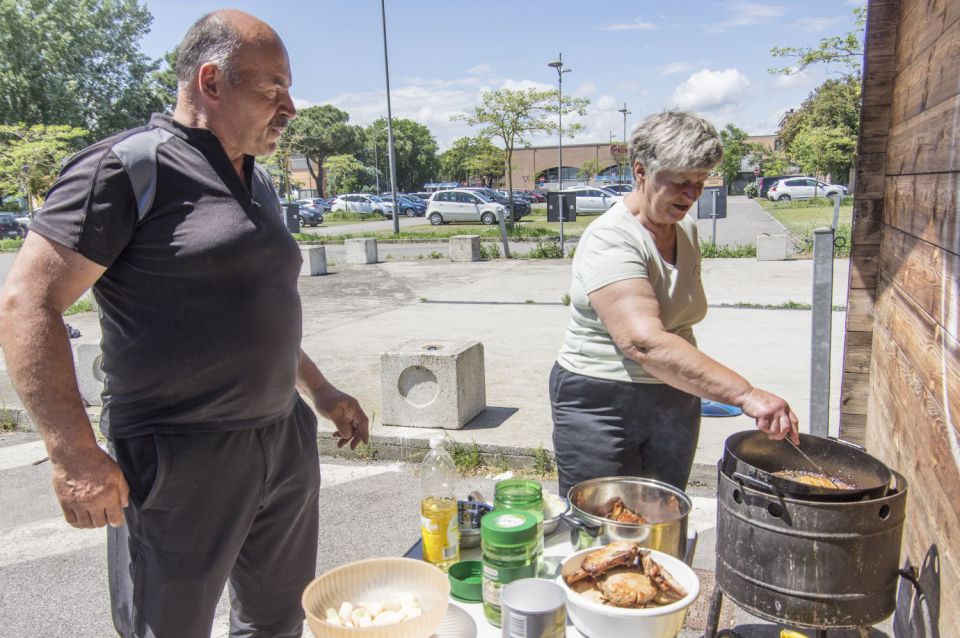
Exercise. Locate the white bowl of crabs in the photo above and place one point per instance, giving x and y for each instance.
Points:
(623, 589)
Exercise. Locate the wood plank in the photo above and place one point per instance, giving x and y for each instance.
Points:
(875, 122)
(854, 392)
(860, 310)
(867, 222)
(870, 183)
(857, 349)
(921, 23)
(934, 354)
(879, 71)
(936, 81)
(853, 427)
(883, 17)
(927, 143)
(925, 206)
(872, 143)
(864, 266)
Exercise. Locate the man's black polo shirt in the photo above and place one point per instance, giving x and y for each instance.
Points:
(199, 307)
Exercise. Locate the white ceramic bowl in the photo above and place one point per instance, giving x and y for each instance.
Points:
(596, 619)
(378, 579)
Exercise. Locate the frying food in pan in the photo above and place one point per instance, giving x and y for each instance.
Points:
(814, 479)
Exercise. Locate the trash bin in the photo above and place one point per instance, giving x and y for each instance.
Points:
(569, 206)
(291, 213)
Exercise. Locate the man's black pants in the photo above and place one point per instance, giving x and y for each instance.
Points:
(211, 508)
(615, 428)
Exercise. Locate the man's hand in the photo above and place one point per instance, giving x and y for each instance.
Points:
(772, 413)
(346, 414)
(91, 488)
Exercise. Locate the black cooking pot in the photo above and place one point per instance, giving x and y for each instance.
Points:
(751, 458)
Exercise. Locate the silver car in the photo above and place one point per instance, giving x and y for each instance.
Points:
(593, 199)
(461, 205)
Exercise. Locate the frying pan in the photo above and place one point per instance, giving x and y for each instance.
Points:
(751, 458)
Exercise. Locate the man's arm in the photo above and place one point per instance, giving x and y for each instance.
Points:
(45, 279)
(341, 408)
(631, 313)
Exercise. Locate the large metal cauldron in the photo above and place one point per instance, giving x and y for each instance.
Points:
(814, 564)
(666, 507)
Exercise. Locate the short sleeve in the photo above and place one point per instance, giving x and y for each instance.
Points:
(91, 207)
(610, 255)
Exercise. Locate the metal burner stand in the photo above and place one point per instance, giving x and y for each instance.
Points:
(713, 619)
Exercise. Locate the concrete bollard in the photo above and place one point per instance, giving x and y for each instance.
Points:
(432, 384)
(771, 247)
(314, 261)
(361, 251)
(87, 358)
(465, 248)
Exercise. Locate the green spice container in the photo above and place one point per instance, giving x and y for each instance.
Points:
(508, 539)
(521, 494)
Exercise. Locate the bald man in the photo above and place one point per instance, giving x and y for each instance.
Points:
(213, 472)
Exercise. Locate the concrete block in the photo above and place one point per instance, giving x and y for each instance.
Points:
(432, 384)
(465, 248)
(87, 358)
(771, 247)
(314, 261)
(361, 251)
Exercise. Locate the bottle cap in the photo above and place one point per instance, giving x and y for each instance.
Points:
(435, 442)
(508, 527)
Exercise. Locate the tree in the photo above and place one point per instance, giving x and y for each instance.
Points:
(735, 148)
(165, 81)
(511, 116)
(846, 50)
(75, 62)
(589, 169)
(770, 162)
(415, 148)
(319, 132)
(833, 103)
(343, 172)
(820, 150)
(30, 156)
(471, 157)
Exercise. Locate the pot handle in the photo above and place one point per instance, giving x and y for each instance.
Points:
(591, 529)
(691, 548)
(753, 482)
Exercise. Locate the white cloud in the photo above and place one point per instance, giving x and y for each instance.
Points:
(768, 125)
(707, 90)
(585, 89)
(636, 25)
(522, 85)
(801, 80)
(818, 24)
(744, 14)
(480, 69)
(606, 103)
(675, 67)
(301, 103)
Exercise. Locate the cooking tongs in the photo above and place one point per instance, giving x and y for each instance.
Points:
(815, 465)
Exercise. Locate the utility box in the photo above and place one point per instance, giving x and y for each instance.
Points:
(713, 202)
(569, 206)
(291, 214)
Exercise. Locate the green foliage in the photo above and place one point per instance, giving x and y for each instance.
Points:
(39, 148)
(165, 80)
(770, 162)
(565, 299)
(343, 173)
(813, 202)
(76, 63)
(78, 306)
(543, 463)
(415, 148)
(472, 157)
(710, 250)
(365, 451)
(841, 240)
(10, 245)
(489, 250)
(549, 250)
(735, 148)
(351, 216)
(821, 150)
(752, 189)
(845, 50)
(590, 168)
(319, 132)
(435, 255)
(466, 458)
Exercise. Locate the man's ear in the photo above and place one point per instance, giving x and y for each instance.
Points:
(210, 80)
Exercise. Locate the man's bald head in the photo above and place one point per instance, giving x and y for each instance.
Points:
(216, 38)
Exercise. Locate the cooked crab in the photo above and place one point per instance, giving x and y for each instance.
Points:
(623, 575)
(622, 514)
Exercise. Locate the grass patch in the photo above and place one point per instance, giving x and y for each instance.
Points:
(489, 250)
(801, 217)
(347, 216)
(10, 245)
(543, 463)
(78, 306)
(365, 452)
(466, 458)
(787, 305)
(7, 422)
(739, 251)
(435, 255)
(565, 299)
(551, 250)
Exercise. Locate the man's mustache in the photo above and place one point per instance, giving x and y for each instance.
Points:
(280, 122)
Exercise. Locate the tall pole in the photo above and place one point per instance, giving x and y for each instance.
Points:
(558, 65)
(390, 149)
(625, 114)
(376, 162)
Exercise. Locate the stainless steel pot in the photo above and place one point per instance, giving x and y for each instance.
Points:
(666, 507)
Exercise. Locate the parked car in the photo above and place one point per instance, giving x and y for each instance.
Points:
(409, 206)
(619, 189)
(521, 208)
(310, 215)
(360, 203)
(10, 228)
(764, 182)
(537, 197)
(593, 199)
(319, 202)
(464, 205)
(803, 188)
(425, 196)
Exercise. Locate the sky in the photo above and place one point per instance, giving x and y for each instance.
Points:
(708, 57)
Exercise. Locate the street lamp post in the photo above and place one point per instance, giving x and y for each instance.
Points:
(558, 65)
(626, 148)
(390, 149)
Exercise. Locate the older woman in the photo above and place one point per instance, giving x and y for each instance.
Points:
(626, 388)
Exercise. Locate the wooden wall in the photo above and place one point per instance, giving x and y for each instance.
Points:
(905, 272)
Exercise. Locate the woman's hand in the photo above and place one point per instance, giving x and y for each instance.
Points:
(772, 413)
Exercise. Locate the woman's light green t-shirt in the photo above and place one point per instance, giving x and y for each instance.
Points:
(617, 247)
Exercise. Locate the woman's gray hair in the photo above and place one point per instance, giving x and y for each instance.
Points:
(210, 39)
(675, 140)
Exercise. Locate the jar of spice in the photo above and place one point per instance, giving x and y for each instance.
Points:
(521, 494)
(508, 539)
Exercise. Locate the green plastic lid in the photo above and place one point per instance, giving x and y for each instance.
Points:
(508, 527)
(466, 580)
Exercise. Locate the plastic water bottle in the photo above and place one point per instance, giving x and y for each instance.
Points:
(438, 507)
